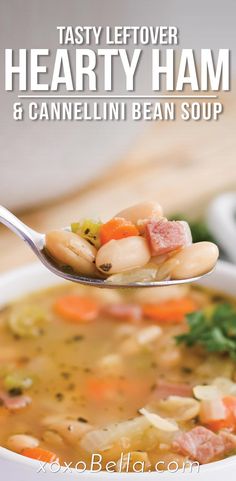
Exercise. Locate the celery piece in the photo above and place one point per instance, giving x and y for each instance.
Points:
(17, 380)
(88, 229)
(75, 227)
(27, 321)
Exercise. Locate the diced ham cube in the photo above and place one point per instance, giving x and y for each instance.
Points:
(14, 402)
(165, 389)
(124, 312)
(229, 440)
(166, 236)
(204, 446)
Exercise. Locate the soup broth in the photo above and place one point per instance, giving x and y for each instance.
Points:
(76, 382)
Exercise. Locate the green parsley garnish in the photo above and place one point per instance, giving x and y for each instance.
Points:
(213, 329)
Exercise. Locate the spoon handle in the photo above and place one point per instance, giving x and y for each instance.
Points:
(22, 230)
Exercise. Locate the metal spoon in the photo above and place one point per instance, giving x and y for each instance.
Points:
(36, 241)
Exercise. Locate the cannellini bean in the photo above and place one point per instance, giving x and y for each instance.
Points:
(69, 429)
(144, 274)
(149, 334)
(51, 437)
(17, 442)
(129, 347)
(144, 210)
(72, 250)
(170, 358)
(158, 260)
(195, 260)
(180, 408)
(120, 255)
(111, 363)
(159, 294)
(105, 296)
(206, 392)
(138, 338)
(165, 270)
(225, 386)
(125, 330)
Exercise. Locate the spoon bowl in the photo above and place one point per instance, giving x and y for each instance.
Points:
(36, 242)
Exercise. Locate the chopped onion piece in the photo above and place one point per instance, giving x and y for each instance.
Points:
(70, 430)
(125, 330)
(111, 363)
(158, 421)
(104, 438)
(139, 434)
(159, 294)
(212, 410)
(148, 334)
(181, 408)
(205, 393)
(165, 270)
(225, 386)
(144, 274)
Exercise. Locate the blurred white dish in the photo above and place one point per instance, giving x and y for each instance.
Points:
(221, 218)
(51, 160)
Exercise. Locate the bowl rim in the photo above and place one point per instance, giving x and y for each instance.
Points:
(223, 269)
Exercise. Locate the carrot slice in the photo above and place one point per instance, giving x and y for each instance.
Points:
(76, 308)
(102, 389)
(230, 404)
(117, 228)
(40, 454)
(171, 312)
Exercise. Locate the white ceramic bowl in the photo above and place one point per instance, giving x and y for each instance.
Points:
(14, 467)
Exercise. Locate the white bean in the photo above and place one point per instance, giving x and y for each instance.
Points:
(72, 250)
(121, 255)
(51, 437)
(70, 430)
(167, 268)
(144, 210)
(111, 364)
(17, 442)
(149, 334)
(105, 296)
(158, 294)
(195, 260)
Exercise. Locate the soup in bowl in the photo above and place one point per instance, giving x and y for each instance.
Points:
(120, 381)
